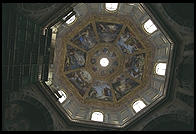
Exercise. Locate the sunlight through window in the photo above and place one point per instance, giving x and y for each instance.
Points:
(160, 68)
(63, 96)
(70, 20)
(97, 116)
(131, 4)
(111, 6)
(149, 26)
(104, 62)
(138, 105)
(66, 16)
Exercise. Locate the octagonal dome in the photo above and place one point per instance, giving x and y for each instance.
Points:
(137, 54)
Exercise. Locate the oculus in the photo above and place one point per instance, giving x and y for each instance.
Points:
(104, 62)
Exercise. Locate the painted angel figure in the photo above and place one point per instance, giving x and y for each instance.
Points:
(93, 93)
(80, 58)
(86, 40)
(123, 42)
(86, 76)
(103, 29)
(112, 28)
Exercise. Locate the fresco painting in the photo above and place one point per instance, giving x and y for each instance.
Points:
(93, 60)
(81, 80)
(74, 59)
(122, 85)
(104, 51)
(100, 90)
(128, 43)
(111, 55)
(135, 66)
(86, 38)
(102, 81)
(108, 31)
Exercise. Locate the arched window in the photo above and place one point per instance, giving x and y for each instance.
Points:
(70, 20)
(63, 96)
(111, 6)
(138, 105)
(149, 26)
(49, 82)
(97, 116)
(160, 68)
(131, 4)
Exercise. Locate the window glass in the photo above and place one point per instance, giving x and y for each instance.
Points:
(63, 96)
(111, 6)
(131, 4)
(70, 20)
(49, 82)
(97, 116)
(138, 105)
(66, 16)
(160, 68)
(149, 26)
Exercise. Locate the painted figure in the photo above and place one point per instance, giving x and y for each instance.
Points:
(86, 38)
(79, 58)
(108, 31)
(135, 66)
(123, 85)
(127, 48)
(100, 90)
(85, 76)
(80, 80)
(75, 58)
(94, 68)
(93, 60)
(128, 43)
